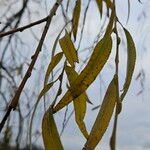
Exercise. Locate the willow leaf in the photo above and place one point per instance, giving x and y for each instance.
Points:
(98, 59)
(131, 59)
(45, 90)
(104, 116)
(55, 60)
(114, 132)
(69, 49)
(76, 16)
(100, 6)
(50, 133)
(109, 4)
(79, 103)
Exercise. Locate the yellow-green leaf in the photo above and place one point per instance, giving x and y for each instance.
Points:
(100, 6)
(55, 60)
(89, 73)
(104, 116)
(131, 59)
(42, 93)
(76, 16)
(113, 136)
(98, 59)
(50, 133)
(79, 103)
(109, 4)
(69, 49)
(45, 90)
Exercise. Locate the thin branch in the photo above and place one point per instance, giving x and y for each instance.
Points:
(20, 29)
(16, 97)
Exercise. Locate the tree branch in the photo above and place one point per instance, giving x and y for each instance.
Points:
(20, 29)
(16, 97)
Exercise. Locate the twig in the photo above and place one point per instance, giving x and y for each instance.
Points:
(20, 29)
(16, 97)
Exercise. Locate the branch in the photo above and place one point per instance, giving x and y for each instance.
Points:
(16, 97)
(2, 34)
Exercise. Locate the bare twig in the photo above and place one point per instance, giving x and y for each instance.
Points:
(16, 97)
(20, 29)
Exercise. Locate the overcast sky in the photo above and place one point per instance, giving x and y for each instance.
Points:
(134, 121)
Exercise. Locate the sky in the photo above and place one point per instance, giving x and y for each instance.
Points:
(134, 123)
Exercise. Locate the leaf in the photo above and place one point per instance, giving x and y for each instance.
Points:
(79, 103)
(45, 90)
(89, 73)
(98, 59)
(114, 132)
(104, 116)
(131, 59)
(100, 6)
(55, 60)
(69, 49)
(109, 4)
(50, 133)
(42, 93)
(76, 16)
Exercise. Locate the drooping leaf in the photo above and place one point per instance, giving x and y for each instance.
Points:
(45, 90)
(131, 59)
(100, 6)
(104, 116)
(98, 59)
(89, 73)
(109, 4)
(79, 103)
(69, 49)
(50, 133)
(114, 132)
(111, 21)
(76, 16)
(55, 60)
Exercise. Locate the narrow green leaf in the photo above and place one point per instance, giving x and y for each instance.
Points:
(50, 133)
(79, 103)
(100, 6)
(45, 90)
(98, 59)
(109, 4)
(76, 16)
(104, 116)
(55, 60)
(69, 49)
(131, 59)
(114, 132)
